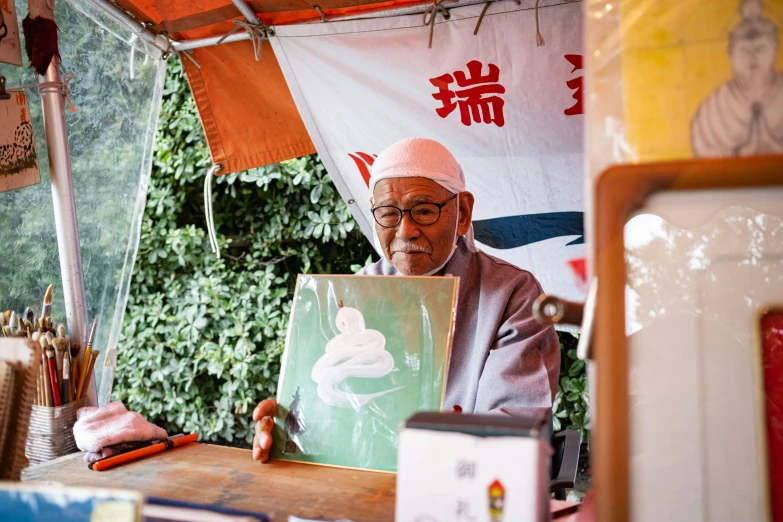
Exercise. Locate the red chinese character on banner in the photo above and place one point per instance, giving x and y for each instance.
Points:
(476, 100)
(575, 83)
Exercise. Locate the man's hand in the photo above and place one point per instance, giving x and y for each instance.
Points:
(264, 415)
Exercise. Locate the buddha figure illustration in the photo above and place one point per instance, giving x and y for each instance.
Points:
(744, 116)
(354, 352)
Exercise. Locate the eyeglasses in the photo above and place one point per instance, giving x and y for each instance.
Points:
(423, 213)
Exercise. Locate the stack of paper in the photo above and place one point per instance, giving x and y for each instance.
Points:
(18, 377)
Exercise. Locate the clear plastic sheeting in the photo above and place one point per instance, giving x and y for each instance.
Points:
(111, 141)
(678, 79)
(703, 267)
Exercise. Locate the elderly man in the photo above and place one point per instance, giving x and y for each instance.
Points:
(502, 360)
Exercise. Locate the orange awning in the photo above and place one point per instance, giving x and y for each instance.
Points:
(247, 111)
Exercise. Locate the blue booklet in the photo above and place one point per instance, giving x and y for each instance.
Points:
(50, 503)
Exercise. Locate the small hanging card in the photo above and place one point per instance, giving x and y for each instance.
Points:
(10, 49)
(18, 157)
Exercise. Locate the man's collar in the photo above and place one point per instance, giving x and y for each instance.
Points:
(458, 264)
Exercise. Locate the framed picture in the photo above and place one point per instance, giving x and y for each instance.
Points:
(10, 49)
(18, 156)
(676, 393)
(363, 353)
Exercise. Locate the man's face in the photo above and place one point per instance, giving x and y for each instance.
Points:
(412, 248)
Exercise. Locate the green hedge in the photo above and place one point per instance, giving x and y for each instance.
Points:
(202, 337)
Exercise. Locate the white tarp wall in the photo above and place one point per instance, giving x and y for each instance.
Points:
(508, 110)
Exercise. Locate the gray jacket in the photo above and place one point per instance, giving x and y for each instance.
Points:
(502, 360)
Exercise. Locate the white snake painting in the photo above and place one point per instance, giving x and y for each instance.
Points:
(354, 352)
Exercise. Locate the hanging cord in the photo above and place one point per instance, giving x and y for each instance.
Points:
(44, 87)
(169, 48)
(213, 242)
(484, 11)
(132, 56)
(539, 37)
(258, 32)
(432, 12)
(321, 13)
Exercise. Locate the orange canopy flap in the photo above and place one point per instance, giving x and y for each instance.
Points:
(247, 111)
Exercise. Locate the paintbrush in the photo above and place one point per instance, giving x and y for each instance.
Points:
(66, 382)
(52, 369)
(47, 383)
(39, 383)
(53, 376)
(91, 338)
(46, 310)
(93, 358)
(29, 315)
(60, 346)
(13, 323)
(74, 377)
(85, 362)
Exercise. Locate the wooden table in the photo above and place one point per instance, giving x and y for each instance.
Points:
(230, 477)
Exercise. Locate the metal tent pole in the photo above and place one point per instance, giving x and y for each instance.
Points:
(246, 11)
(64, 206)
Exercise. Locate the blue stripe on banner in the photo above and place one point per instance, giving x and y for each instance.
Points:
(516, 231)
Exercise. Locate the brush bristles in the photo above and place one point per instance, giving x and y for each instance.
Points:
(49, 295)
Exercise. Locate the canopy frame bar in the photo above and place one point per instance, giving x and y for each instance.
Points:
(166, 46)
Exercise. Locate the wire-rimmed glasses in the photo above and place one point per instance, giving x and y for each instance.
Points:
(389, 216)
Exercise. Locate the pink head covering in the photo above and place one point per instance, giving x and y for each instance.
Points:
(421, 158)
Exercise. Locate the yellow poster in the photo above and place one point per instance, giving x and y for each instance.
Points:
(702, 78)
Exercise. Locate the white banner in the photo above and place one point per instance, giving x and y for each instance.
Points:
(511, 113)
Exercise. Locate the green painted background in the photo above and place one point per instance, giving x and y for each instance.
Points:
(415, 315)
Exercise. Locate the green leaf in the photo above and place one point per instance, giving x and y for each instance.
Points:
(577, 368)
(315, 193)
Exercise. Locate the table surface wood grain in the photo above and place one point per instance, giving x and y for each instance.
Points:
(229, 477)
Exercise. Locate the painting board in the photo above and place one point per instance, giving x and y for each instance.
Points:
(10, 48)
(18, 156)
(346, 387)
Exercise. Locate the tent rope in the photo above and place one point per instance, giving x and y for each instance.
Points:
(169, 48)
(431, 13)
(47, 86)
(258, 32)
(484, 11)
(320, 12)
(189, 55)
(539, 37)
(213, 242)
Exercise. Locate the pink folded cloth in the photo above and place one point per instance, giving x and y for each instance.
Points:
(97, 428)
